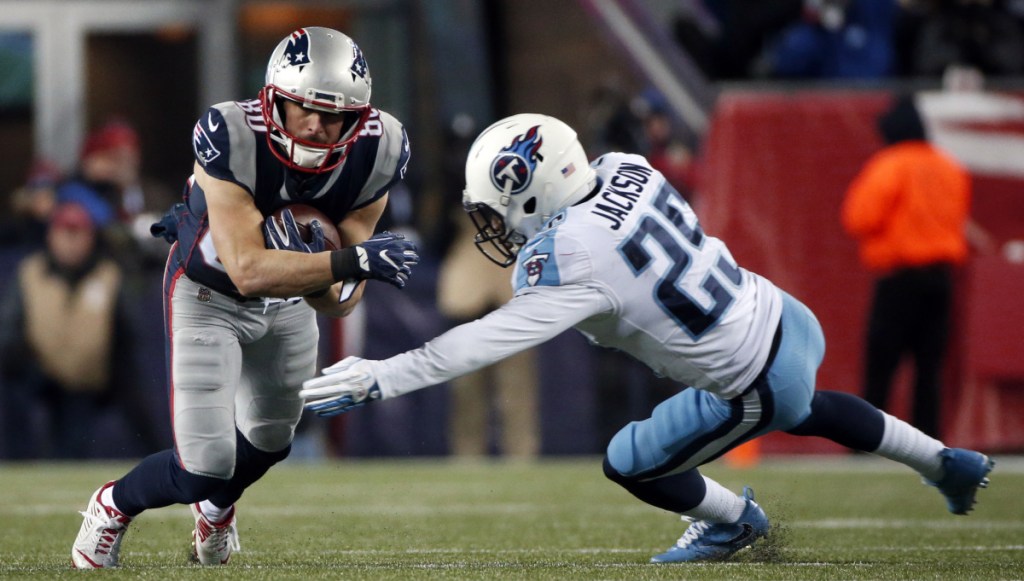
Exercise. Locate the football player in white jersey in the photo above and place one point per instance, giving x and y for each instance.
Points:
(238, 288)
(613, 250)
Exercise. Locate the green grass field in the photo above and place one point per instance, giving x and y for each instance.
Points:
(834, 518)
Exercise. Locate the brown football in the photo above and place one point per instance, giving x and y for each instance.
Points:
(304, 216)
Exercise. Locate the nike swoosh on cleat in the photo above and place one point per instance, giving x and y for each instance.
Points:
(747, 532)
(209, 121)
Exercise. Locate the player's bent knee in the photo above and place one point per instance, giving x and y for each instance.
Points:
(612, 474)
(213, 459)
(196, 487)
(272, 458)
(250, 454)
(620, 455)
(271, 437)
(790, 418)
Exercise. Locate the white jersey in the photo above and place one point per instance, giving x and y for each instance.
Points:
(630, 268)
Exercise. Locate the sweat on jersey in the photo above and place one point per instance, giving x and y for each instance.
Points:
(229, 142)
(631, 269)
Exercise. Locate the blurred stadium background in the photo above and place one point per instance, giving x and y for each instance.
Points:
(766, 158)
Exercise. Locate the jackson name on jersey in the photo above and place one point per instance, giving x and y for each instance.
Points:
(679, 301)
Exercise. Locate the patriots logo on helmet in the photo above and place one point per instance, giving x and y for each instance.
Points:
(513, 167)
(296, 53)
(205, 151)
(534, 267)
(358, 67)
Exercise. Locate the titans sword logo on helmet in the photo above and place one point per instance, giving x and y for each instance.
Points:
(514, 165)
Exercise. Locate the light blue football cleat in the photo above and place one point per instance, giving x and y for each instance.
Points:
(965, 471)
(705, 541)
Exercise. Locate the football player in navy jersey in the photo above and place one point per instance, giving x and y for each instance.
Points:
(238, 288)
(610, 248)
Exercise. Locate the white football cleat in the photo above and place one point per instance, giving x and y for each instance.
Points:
(212, 543)
(99, 539)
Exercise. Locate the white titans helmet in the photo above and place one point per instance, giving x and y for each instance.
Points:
(519, 173)
(322, 69)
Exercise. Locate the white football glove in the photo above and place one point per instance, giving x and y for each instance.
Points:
(346, 385)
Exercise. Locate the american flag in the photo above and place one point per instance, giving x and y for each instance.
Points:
(567, 170)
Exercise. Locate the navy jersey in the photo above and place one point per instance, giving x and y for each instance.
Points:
(229, 142)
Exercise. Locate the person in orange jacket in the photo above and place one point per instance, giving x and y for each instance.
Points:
(909, 210)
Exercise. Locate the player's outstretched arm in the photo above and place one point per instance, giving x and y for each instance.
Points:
(524, 322)
(348, 384)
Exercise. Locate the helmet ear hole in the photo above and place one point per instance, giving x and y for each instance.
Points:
(530, 206)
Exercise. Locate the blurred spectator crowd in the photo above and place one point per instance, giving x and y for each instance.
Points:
(851, 39)
(80, 339)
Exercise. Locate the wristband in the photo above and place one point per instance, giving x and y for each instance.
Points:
(345, 264)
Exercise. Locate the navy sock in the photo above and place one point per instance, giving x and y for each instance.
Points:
(676, 493)
(250, 465)
(845, 419)
(159, 480)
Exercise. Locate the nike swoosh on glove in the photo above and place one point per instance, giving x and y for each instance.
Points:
(286, 236)
(388, 257)
(344, 386)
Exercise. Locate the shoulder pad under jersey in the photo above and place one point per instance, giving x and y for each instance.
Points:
(391, 159)
(224, 141)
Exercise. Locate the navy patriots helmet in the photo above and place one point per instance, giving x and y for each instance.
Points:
(323, 69)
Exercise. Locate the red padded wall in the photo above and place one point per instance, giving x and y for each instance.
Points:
(774, 171)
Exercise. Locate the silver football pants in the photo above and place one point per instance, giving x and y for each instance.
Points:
(235, 364)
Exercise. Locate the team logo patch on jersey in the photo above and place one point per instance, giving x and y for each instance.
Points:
(534, 267)
(514, 165)
(358, 67)
(204, 295)
(296, 54)
(205, 151)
